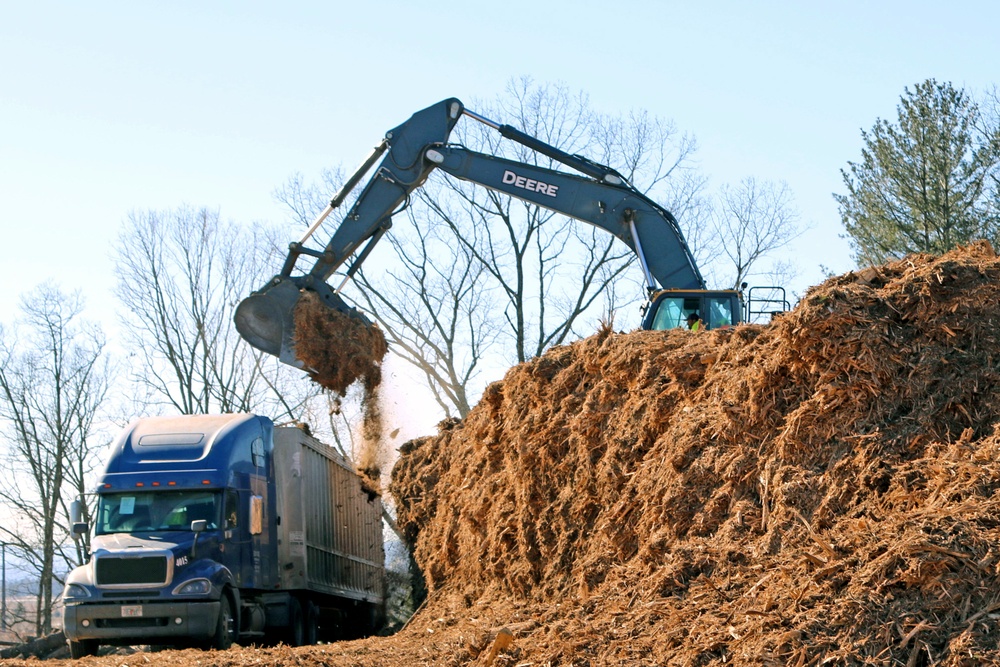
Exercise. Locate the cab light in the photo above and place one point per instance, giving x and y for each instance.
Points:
(171, 483)
(156, 483)
(206, 481)
(140, 484)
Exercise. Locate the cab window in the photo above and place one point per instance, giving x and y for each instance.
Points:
(155, 511)
(720, 313)
(669, 314)
(672, 312)
(232, 514)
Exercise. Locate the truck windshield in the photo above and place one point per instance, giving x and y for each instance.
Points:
(156, 511)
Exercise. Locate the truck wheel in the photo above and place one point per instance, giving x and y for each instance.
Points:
(83, 648)
(311, 632)
(296, 625)
(225, 629)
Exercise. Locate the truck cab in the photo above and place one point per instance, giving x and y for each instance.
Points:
(213, 528)
(182, 522)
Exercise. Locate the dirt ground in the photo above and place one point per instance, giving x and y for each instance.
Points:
(820, 490)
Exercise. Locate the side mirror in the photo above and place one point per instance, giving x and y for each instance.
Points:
(76, 513)
(78, 527)
(197, 526)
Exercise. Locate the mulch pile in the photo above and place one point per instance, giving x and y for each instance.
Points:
(820, 490)
(337, 349)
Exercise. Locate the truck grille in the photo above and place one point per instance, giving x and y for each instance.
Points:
(142, 570)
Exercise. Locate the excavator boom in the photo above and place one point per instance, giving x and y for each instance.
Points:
(618, 209)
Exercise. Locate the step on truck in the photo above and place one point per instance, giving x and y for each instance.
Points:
(212, 529)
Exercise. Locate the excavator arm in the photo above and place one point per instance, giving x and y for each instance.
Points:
(409, 152)
(649, 230)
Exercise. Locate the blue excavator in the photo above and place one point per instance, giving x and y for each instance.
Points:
(598, 195)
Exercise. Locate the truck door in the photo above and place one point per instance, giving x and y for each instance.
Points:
(261, 531)
(237, 536)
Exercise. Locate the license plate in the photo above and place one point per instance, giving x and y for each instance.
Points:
(131, 610)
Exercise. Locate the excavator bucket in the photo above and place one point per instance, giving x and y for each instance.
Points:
(266, 318)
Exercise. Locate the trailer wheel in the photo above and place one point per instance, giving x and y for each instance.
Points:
(225, 629)
(83, 648)
(312, 623)
(296, 625)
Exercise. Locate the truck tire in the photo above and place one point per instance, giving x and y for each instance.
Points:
(296, 624)
(225, 628)
(83, 648)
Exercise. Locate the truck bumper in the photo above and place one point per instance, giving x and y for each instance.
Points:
(160, 620)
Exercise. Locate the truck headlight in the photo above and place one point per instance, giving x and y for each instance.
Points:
(75, 592)
(194, 587)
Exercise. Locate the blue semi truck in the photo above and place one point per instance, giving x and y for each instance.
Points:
(214, 528)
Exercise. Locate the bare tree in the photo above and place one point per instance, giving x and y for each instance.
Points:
(436, 314)
(53, 381)
(425, 291)
(180, 275)
(751, 221)
(475, 275)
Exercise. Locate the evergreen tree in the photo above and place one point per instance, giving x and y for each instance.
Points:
(927, 183)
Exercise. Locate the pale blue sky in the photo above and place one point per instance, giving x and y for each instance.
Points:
(107, 107)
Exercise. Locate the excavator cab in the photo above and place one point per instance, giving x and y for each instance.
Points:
(669, 309)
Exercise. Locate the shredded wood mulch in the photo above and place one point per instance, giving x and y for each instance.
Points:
(337, 349)
(820, 490)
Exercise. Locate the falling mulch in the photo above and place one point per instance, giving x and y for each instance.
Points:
(335, 348)
(820, 490)
(338, 350)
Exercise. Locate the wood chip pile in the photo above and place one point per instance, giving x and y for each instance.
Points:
(821, 488)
